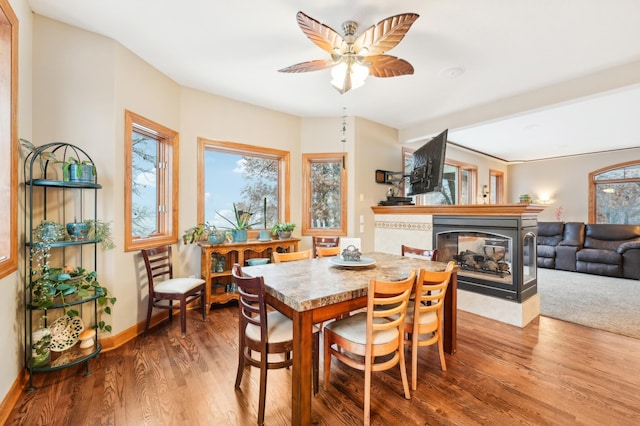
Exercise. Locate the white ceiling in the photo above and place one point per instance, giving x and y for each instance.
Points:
(542, 78)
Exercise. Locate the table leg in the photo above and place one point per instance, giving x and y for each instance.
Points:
(451, 315)
(302, 368)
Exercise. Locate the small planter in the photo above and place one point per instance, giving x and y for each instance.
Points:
(40, 352)
(84, 173)
(284, 235)
(240, 235)
(78, 231)
(216, 238)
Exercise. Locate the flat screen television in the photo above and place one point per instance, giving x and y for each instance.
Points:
(428, 166)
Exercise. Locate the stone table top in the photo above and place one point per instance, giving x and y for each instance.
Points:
(309, 284)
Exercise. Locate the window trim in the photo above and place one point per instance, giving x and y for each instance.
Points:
(593, 182)
(284, 160)
(499, 190)
(9, 263)
(170, 137)
(307, 161)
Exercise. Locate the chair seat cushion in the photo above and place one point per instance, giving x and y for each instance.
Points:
(177, 285)
(279, 328)
(354, 329)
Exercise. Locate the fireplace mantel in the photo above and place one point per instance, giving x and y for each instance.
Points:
(464, 209)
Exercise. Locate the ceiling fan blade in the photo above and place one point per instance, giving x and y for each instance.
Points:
(385, 35)
(323, 36)
(388, 66)
(317, 65)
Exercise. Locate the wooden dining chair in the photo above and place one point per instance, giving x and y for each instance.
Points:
(425, 315)
(265, 332)
(327, 251)
(418, 252)
(318, 242)
(288, 257)
(164, 289)
(372, 340)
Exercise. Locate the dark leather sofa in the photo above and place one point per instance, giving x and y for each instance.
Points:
(600, 249)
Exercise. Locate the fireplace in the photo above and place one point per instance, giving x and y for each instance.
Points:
(496, 255)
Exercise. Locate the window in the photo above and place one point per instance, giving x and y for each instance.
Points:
(255, 179)
(151, 183)
(458, 183)
(8, 139)
(496, 187)
(614, 194)
(324, 208)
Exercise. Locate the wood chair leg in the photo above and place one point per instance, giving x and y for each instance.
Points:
(203, 303)
(240, 371)
(443, 363)
(263, 389)
(183, 317)
(414, 364)
(327, 360)
(149, 310)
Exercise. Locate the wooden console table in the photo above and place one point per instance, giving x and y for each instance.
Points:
(218, 283)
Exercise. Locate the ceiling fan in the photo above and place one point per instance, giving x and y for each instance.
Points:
(353, 57)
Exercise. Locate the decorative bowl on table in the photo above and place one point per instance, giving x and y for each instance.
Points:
(351, 253)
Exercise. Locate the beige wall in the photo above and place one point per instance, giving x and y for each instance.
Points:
(82, 83)
(565, 181)
(11, 313)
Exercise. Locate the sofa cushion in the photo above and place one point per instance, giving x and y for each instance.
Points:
(573, 234)
(546, 251)
(599, 269)
(550, 233)
(591, 255)
(548, 240)
(612, 232)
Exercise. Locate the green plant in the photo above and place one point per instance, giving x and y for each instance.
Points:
(66, 165)
(199, 232)
(49, 284)
(41, 347)
(242, 219)
(101, 231)
(44, 155)
(283, 227)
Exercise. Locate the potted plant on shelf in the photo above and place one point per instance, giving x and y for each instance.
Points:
(240, 224)
(283, 230)
(74, 170)
(203, 231)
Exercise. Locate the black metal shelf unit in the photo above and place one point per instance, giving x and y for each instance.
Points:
(54, 192)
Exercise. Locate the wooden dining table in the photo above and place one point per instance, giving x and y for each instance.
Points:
(315, 290)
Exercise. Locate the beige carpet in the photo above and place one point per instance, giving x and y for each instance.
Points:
(611, 304)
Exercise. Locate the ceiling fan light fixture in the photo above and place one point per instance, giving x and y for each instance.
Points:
(348, 74)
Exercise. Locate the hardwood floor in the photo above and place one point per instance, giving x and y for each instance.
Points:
(549, 373)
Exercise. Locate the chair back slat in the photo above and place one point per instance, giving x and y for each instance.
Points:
(324, 242)
(289, 257)
(388, 299)
(158, 263)
(327, 251)
(251, 300)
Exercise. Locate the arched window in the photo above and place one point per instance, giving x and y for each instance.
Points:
(614, 194)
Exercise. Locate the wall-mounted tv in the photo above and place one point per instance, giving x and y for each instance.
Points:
(428, 166)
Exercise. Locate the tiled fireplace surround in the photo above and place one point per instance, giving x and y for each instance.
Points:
(413, 226)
